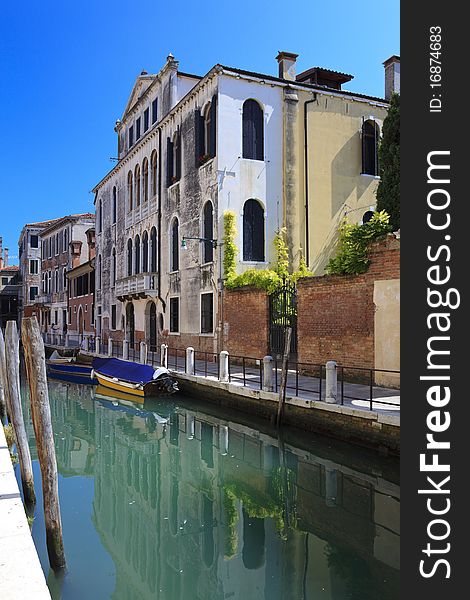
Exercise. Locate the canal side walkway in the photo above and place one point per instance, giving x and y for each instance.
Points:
(21, 575)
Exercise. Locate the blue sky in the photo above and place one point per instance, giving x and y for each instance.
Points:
(67, 69)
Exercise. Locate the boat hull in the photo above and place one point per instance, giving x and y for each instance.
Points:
(71, 372)
(119, 386)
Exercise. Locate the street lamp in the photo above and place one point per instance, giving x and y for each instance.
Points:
(184, 244)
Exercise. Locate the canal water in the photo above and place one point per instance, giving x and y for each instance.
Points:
(176, 500)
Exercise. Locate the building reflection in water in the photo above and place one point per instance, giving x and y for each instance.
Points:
(203, 508)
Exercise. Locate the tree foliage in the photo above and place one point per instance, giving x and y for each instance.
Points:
(354, 241)
(388, 191)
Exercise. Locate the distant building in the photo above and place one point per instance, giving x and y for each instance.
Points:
(29, 252)
(81, 290)
(63, 247)
(9, 289)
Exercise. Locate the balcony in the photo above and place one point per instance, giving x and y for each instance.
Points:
(144, 210)
(143, 285)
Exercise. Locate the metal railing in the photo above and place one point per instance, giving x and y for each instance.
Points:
(361, 387)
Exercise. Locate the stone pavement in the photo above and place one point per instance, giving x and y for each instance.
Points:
(21, 576)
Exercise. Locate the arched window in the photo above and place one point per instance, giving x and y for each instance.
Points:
(56, 282)
(153, 250)
(137, 185)
(208, 232)
(129, 257)
(207, 129)
(175, 248)
(253, 130)
(99, 283)
(64, 277)
(367, 216)
(130, 190)
(177, 156)
(65, 239)
(145, 252)
(370, 146)
(253, 231)
(114, 204)
(137, 254)
(113, 266)
(153, 171)
(145, 179)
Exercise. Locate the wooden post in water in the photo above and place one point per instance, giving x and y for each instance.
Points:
(40, 409)
(282, 388)
(12, 363)
(4, 401)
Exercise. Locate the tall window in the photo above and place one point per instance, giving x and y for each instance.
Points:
(114, 204)
(253, 231)
(33, 292)
(137, 254)
(370, 146)
(173, 159)
(174, 315)
(100, 273)
(253, 130)
(154, 110)
(66, 239)
(33, 266)
(137, 129)
(64, 278)
(130, 190)
(175, 249)
(146, 119)
(153, 168)
(207, 313)
(137, 185)
(113, 316)
(129, 257)
(145, 179)
(145, 252)
(131, 136)
(34, 241)
(153, 250)
(100, 216)
(207, 232)
(113, 265)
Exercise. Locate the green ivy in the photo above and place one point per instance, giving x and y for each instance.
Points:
(354, 241)
(266, 279)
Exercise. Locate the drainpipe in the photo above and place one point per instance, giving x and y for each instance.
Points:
(159, 224)
(307, 240)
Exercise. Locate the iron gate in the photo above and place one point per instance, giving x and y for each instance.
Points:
(282, 314)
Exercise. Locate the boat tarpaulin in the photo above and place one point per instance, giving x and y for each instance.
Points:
(122, 369)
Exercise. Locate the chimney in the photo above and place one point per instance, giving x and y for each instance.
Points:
(5, 260)
(392, 76)
(90, 236)
(286, 61)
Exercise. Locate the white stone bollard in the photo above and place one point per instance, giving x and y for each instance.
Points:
(223, 367)
(190, 427)
(98, 344)
(190, 360)
(331, 486)
(268, 374)
(164, 355)
(125, 349)
(67, 342)
(331, 382)
(143, 353)
(110, 347)
(86, 345)
(223, 439)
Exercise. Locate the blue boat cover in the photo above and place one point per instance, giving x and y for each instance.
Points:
(122, 369)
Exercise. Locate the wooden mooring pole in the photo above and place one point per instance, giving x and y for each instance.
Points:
(41, 413)
(12, 363)
(4, 401)
(282, 388)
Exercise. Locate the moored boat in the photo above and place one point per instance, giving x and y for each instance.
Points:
(132, 378)
(76, 369)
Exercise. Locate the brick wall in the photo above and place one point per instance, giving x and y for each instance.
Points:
(246, 314)
(336, 313)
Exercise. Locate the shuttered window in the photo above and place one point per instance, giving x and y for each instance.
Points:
(174, 315)
(145, 252)
(253, 231)
(146, 119)
(370, 146)
(174, 258)
(129, 257)
(169, 162)
(153, 250)
(207, 313)
(207, 233)
(253, 134)
(154, 111)
(137, 254)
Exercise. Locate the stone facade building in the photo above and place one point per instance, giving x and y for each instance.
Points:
(63, 246)
(29, 252)
(189, 149)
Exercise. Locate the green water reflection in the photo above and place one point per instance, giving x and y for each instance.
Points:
(205, 507)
